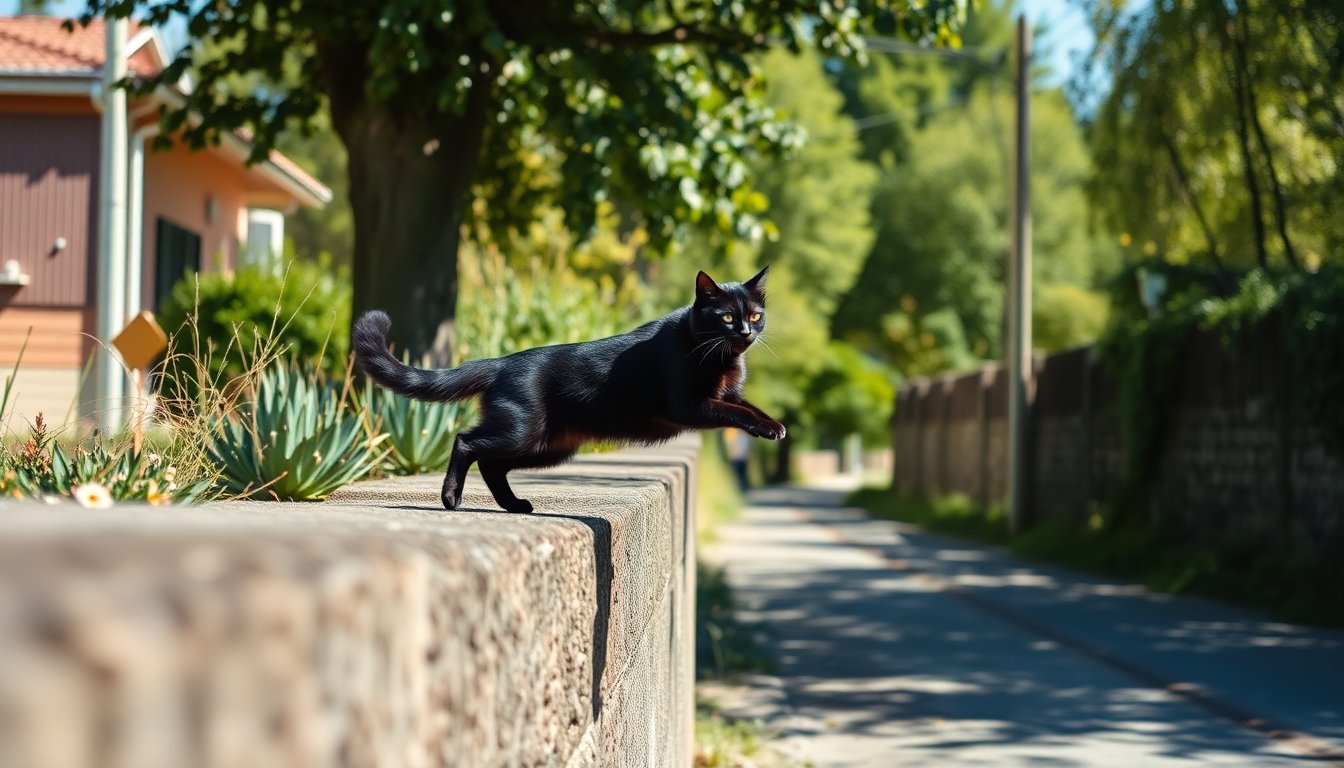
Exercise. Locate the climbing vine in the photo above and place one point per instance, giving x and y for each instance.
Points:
(1145, 354)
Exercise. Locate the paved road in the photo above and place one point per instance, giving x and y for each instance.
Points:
(898, 647)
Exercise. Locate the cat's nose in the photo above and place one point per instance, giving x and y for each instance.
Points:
(745, 332)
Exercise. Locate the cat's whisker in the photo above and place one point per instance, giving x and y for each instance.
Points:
(701, 344)
(717, 343)
(761, 340)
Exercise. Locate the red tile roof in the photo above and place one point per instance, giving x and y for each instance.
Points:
(38, 45)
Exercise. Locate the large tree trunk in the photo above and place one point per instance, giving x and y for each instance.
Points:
(410, 174)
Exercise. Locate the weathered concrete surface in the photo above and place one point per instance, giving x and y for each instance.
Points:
(373, 630)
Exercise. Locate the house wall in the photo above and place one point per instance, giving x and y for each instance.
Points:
(48, 379)
(48, 184)
(177, 185)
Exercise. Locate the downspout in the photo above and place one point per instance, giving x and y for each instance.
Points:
(111, 295)
(135, 233)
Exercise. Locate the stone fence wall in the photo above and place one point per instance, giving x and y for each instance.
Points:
(372, 630)
(1235, 455)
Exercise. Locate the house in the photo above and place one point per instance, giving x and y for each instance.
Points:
(185, 210)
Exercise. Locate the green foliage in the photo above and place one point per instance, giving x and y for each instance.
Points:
(299, 437)
(223, 320)
(635, 98)
(1065, 315)
(954, 513)
(718, 498)
(40, 467)
(420, 435)
(1145, 354)
(1218, 142)
(505, 309)
(929, 297)
(724, 743)
(851, 394)
(725, 645)
(819, 197)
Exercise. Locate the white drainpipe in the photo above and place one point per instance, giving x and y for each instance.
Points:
(135, 257)
(111, 296)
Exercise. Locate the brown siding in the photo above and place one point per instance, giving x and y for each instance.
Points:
(48, 185)
(59, 337)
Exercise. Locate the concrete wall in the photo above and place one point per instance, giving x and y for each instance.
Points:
(372, 630)
(1236, 456)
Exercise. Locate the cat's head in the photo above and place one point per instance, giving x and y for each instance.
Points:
(734, 312)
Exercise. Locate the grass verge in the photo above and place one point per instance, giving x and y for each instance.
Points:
(726, 647)
(1292, 586)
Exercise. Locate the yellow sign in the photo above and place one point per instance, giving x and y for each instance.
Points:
(141, 341)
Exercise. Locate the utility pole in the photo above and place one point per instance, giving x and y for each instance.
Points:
(111, 312)
(1019, 293)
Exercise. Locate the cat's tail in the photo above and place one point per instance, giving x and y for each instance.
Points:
(441, 385)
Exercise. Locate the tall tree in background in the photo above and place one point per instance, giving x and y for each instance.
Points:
(1221, 138)
(819, 200)
(930, 296)
(638, 99)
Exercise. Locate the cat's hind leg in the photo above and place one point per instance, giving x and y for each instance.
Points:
(495, 473)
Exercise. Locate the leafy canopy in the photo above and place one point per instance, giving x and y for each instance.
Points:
(651, 101)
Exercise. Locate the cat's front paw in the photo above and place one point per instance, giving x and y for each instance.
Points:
(770, 430)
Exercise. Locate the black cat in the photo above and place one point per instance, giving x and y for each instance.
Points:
(683, 371)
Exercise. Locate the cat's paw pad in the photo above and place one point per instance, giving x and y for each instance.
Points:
(520, 507)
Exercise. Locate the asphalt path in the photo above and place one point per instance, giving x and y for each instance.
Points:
(897, 647)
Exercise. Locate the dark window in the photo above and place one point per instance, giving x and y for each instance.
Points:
(179, 252)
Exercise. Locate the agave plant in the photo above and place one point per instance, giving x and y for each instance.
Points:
(419, 434)
(298, 438)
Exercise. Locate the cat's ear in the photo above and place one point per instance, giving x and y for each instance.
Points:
(705, 286)
(757, 284)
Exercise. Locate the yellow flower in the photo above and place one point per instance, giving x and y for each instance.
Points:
(92, 496)
(155, 498)
(170, 474)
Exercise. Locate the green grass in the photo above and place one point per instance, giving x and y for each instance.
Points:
(721, 742)
(1290, 585)
(955, 514)
(718, 499)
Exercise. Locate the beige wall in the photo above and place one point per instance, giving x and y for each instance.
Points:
(177, 184)
(53, 355)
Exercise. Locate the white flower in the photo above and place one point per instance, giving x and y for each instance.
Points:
(92, 496)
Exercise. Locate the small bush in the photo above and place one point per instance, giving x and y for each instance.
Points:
(219, 321)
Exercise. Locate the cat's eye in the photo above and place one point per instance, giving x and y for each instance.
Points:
(755, 317)
(727, 318)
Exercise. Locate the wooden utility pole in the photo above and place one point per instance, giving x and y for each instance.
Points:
(1019, 293)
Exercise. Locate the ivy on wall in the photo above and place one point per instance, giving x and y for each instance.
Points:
(1145, 353)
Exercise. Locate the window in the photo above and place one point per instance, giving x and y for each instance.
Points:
(178, 252)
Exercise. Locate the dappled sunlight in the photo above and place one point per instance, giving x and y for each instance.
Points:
(965, 655)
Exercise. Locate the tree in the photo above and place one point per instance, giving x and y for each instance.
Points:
(930, 296)
(633, 99)
(1220, 138)
(818, 201)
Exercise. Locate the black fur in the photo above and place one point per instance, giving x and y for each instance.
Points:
(683, 371)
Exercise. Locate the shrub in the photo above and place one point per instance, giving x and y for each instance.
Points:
(219, 322)
(502, 310)
(1064, 316)
(297, 438)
